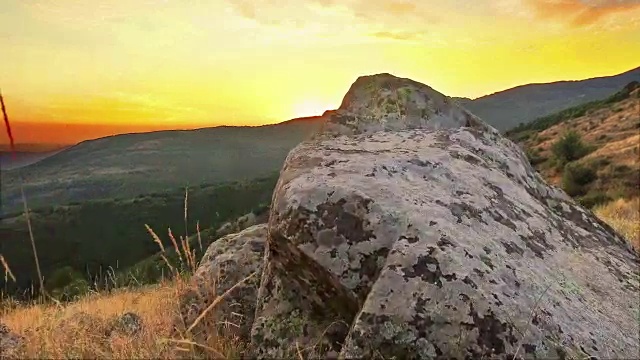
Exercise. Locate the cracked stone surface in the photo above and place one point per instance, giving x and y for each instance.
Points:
(416, 231)
(435, 240)
(227, 261)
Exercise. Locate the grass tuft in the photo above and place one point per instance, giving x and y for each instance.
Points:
(624, 216)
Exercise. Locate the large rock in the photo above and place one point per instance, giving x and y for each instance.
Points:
(232, 260)
(10, 343)
(385, 102)
(414, 230)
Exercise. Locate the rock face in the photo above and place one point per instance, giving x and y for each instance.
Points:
(9, 342)
(385, 102)
(420, 232)
(227, 262)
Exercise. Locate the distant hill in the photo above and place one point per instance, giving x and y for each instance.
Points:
(608, 166)
(128, 165)
(507, 109)
(10, 160)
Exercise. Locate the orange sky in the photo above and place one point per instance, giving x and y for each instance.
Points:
(78, 69)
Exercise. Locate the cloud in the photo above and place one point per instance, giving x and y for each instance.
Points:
(359, 21)
(399, 35)
(390, 13)
(580, 13)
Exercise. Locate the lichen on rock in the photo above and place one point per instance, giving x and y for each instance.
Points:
(420, 232)
(234, 259)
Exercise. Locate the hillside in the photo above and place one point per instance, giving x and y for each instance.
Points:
(129, 165)
(506, 109)
(13, 160)
(86, 239)
(607, 165)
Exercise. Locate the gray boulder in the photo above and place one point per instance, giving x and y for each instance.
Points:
(414, 230)
(10, 342)
(228, 262)
(129, 324)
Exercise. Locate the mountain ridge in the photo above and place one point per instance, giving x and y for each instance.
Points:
(506, 109)
(222, 153)
(633, 71)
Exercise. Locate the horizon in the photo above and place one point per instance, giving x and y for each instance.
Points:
(113, 68)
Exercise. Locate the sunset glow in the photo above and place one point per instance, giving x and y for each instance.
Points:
(149, 64)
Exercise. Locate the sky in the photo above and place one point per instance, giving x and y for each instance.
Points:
(77, 69)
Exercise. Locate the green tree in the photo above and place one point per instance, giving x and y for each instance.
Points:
(576, 177)
(569, 147)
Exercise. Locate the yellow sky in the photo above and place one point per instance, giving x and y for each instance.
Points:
(249, 62)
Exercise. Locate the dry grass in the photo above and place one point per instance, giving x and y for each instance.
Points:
(624, 216)
(613, 132)
(81, 329)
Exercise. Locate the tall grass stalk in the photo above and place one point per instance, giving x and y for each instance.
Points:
(7, 124)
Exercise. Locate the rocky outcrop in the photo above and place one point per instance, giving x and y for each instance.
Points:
(10, 342)
(385, 102)
(233, 260)
(417, 231)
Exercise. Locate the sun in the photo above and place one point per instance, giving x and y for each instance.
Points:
(310, 108)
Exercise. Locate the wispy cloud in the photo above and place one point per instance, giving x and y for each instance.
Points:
(580, 12)
(400, 19)
(399, 35)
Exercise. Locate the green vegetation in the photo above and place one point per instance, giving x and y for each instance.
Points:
(569, 147)
(88, 242)
(606, 176)
(593, 199)
(575, 177)
(506, 109)
(534, 156)
(404, 94)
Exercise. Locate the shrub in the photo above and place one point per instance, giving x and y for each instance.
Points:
(594, 199)
(601, 162)
(621, 169)
(575, 177)
(76, 289)
(62, 277)
(569, 148)
(534, 157)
